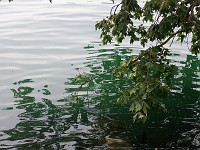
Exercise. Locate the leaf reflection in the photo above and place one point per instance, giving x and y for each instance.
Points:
(41, 123)
(94, 120)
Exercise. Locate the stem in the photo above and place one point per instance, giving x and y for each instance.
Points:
(190, 10)
(169, 38)
(161, 45)
(116, 6)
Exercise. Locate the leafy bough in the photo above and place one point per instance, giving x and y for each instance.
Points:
(151, 71)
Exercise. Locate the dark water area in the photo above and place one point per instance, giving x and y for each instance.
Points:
(96, 121)
(43, 47)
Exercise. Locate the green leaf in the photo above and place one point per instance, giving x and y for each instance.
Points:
(132, 91)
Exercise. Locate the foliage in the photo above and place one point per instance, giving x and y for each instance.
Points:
(161, 22)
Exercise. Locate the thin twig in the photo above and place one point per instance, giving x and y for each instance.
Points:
(169, 38)
(114, 7)
(190, 10)
(161, 45)
(172, 41)
(187, 41)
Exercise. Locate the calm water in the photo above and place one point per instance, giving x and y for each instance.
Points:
(41, 45)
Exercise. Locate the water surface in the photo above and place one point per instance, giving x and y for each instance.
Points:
(41, 45)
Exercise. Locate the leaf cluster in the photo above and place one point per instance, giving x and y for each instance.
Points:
(161, 21)
(164, 18)
(152, 81)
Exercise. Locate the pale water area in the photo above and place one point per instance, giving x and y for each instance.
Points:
(41, 44)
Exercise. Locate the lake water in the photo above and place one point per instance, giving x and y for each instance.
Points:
(42, 44)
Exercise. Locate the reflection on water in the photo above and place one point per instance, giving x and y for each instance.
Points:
(38, 45)
(44, 124)
(40, 124)
(187, 102)
(95, 121)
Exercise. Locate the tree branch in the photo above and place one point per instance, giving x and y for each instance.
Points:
(115, 8)
(190, 10)
(169, 38)
(161, 45)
